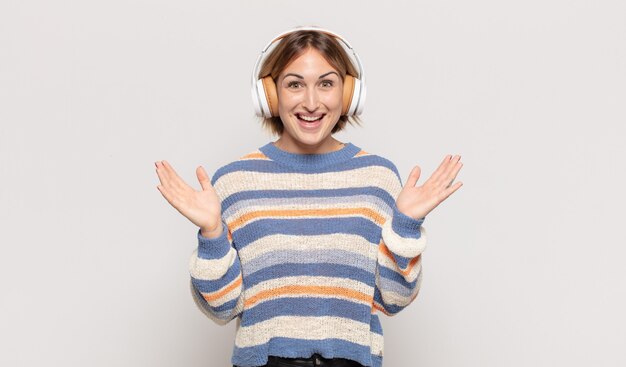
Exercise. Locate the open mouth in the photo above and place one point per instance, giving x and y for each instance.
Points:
(309, 119)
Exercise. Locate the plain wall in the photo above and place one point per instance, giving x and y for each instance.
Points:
(525, 263)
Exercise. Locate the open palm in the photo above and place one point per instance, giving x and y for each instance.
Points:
(418, 201)
(203, 208)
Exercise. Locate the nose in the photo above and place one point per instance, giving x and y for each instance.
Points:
(311, 99)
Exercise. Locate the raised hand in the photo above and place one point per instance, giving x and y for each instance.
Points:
(418, 201)
(203, 208)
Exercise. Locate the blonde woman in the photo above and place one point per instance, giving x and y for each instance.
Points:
(307, 239)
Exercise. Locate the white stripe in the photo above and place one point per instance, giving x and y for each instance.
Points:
(200, 304)
(335, 241)
(311, 281)
(385, 261)
(403, 246)
(244, 207)
(390, 297)
(303, 327)
(377, 176)
(234, 293)
(378, 344)
(211, 269)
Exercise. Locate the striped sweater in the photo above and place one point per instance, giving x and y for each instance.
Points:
(313, 248)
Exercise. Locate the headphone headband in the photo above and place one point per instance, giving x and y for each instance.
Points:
(261, 100)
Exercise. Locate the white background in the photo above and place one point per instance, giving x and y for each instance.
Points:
(525, 263)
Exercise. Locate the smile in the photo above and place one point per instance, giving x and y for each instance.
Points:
(309, 122)
(309, 118)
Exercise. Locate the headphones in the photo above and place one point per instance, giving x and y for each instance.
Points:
(265, 98)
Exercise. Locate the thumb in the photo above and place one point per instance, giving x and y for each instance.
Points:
(413, 177)
(203, 178)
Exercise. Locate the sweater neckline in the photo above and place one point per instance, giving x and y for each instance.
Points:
(309, 160)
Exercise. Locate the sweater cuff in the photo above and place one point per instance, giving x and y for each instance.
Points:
(405, 226)
(214, 248)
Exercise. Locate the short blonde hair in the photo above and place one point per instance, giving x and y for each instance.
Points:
(292, 46)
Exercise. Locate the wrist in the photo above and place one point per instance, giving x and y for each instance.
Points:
(212, 233)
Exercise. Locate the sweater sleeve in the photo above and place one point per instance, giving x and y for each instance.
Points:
(399, 266)
(216, 278)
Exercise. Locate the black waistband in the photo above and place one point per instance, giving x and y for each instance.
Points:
(313, 361)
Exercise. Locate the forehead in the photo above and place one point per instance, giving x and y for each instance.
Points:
(310, 62)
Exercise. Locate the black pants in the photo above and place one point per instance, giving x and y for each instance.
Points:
(313, 361)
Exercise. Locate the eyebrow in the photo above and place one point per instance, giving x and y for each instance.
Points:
(301, 77)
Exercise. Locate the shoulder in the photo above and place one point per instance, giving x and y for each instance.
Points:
(245, 162)
(366, 158)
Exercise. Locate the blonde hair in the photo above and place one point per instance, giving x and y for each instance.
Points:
(292, 46)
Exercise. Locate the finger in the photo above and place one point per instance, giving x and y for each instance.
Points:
(456, 170)
(169, 184)
(452, 175)
(447, 176)
(436, 176)
(165, 193)
(174, 180)
(451, 190)
(205, 182)
(413, 177)
(452, 165)
(161, 172)
(168, 170)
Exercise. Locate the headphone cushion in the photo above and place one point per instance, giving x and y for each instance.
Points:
(270, 95)
(348, 93)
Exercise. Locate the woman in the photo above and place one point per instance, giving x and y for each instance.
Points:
(305, 239)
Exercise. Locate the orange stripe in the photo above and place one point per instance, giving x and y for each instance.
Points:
(260, 155)
(312, 289)
(256, 155)
(213, 296)
(378, 307)
(385, 250)
(240, 221)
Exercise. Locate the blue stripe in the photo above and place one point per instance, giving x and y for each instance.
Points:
(222, 311)
(350, 191)
(331, 256)
(393, 286)
(306, 306)
(364, 200)
(406, 226)
(401, 260)
(256, 229)
(208, 286)
(375, 325)
(327, 270)
(268, 166)
(226, 307)
(390, 308)
(396, 277)
(213, 248)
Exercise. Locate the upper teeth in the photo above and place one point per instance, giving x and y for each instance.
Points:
(307, 118)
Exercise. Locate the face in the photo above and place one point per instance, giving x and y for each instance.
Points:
(310, 94)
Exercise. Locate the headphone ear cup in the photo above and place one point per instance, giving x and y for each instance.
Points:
(348, 93)
(270, 95)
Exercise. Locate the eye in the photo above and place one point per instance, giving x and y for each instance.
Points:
(292, 84)
(327, 83)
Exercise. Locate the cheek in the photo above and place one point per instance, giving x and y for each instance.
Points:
(336, 101)
(285, 102)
